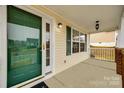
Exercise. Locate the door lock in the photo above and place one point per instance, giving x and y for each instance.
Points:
(43, 46)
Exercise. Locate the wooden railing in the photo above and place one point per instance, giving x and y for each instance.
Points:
(103, 53)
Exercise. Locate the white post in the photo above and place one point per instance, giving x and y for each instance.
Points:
(120, 38)
(88, 44)
(3, 46)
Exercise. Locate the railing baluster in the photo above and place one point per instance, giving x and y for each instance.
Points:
(103, 53)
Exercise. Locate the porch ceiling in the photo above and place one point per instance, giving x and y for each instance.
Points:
(86, 15)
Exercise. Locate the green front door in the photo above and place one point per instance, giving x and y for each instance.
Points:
(24, 41)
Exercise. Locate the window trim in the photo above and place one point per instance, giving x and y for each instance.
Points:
(72, 41)
(74, 29)
(85, 43)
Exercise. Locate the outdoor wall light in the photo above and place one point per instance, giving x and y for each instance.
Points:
(97, 25)
(59, 25)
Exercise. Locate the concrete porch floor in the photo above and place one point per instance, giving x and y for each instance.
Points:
(90, 73)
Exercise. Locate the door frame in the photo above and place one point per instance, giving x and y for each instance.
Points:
(39, 13)
(48, 20)
(3, 47)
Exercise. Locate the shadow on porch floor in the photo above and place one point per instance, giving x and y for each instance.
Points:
(90, 73)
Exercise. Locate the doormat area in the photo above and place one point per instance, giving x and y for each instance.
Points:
(40, 85)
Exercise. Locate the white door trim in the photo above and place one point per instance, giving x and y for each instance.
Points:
(3, 46)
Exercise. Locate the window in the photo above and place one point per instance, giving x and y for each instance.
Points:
(83, 42)
(75, 47)
(75, 36)
(75, 41)
(82, 38)
(47, 44)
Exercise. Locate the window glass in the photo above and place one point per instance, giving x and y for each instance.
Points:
(83, 42)
(82, 38)
(75, 36)
(47, 44)
(82, 45)
(24, 41)
(75, 41)
(75, 47)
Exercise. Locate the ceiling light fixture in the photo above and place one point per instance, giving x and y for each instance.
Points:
(97, 25)
(59, 25)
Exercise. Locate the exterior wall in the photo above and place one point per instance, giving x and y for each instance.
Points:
(107, 44)
(103, 38)
(60, 43)
(70, 60)
(100, 37)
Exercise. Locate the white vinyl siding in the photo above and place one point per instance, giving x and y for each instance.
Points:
(62, 61)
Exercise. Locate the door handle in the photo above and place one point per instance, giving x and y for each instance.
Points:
(43, 46)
